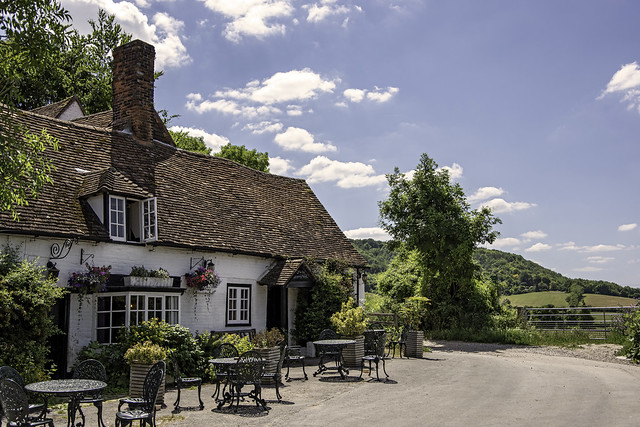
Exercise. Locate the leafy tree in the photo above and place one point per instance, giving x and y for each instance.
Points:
(241, 154)
(190, 143)
(576, 296)
(26, 296)
(430, 214)
(403, 277)
(31, 32)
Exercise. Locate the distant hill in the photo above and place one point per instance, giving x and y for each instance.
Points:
(559, 299)
(514, 273)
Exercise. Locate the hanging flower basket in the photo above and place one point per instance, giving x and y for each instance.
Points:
(203, 279)
(94, 279)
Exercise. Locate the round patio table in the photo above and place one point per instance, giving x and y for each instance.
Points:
(339, 345)
(72, 388)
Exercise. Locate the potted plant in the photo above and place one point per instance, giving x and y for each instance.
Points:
(140, 276)
(267, 342)
(93, 279)
(203, 279)
(412, 313)
(140, 358)
(350, 323)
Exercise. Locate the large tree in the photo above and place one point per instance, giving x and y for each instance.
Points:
(30, 33)
(241, 154)
(430, 214)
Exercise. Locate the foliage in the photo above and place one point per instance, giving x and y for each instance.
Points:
(145, 352)
(267, 338)
(576, 296)
(242, 344)
(316, 305)
(143, 272)
(241, 154)
(26, 297)
(403, 277)
(413, 312)
(350, 320)
(378, 256)
(190, 143)
(631, 321)
(430, 214)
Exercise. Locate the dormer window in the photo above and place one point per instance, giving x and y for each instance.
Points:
(132, 220)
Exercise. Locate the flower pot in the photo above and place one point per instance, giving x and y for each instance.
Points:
(415, 343)
(271, 356)
(137, 374)
(148, 282)
(352, 354)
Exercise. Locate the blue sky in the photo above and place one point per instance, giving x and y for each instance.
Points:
(533, 105)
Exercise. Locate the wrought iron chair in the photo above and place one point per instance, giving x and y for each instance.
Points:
(138, 402)
(222, 351)
(10, 373)
(277, 375)
(401, 342)
(15, 406)
(374, 352)
(146, 412)
(292, 358)
(246, 372)
(92, 369)
(328, 352)
(181, 382)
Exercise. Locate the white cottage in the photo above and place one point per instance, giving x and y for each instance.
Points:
(124, 196)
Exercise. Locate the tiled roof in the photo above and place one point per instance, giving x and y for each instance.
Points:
(101, 120)
(203, 202)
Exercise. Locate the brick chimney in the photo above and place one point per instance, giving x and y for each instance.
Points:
(133, 88)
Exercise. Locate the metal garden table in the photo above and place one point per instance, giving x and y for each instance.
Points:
(72, 388)
(337, 344)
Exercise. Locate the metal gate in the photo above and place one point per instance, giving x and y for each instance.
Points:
(597, 321)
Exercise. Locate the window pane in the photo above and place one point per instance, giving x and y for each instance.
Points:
(118, 319)
(103, 336)
(104, 303)
(119, 302)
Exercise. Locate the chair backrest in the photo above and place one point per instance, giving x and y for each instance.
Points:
(151, 386)
(283, 353)
(90, 369)
(248, 369)
(328, 334)
(403, 334)
(12, 374)
(374, 343)
(14, 402)
(226, 350)
(176, 368)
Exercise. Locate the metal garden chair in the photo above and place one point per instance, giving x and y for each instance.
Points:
(92, 369)
(246, 372)
(374, 352)
(145, 411)
(277, 375)
(10, 373)
(292, 358)
(224, 350)
(181, 382)
(15, 406)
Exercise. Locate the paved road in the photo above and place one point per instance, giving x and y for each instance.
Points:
(446, 388)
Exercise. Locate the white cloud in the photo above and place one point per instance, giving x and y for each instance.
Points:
(301, 140)
(264, 127)
(534, 235)
(501, 206)
(455, 171)
(571, 246)
(538, 247)
(346, 174)
(326, 8)
(279, 166)
(254, 18)
(378, 95)
(355, 95)
(626, 81)
(211, 140)
(375, 233)
(627, 227)
(163, 32)
(294, 110)
(505, 242)
(484, 193)
(292, 85)
(599, 259)
(230, 107)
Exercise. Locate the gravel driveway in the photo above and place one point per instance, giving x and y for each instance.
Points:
(458, 384)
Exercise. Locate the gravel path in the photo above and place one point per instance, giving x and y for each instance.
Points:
(597, 352)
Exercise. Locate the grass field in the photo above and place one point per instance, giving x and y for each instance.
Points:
(557, 298)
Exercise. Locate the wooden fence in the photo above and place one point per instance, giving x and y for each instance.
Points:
(383, 319)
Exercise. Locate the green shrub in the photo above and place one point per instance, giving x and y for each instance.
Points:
(145, 352)
(26, 298)
(267, 338)
(111, 356)
(349, 321)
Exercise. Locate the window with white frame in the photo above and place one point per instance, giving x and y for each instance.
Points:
(238, 304)
(133, 220)
(123, 310)
(149, 223)
(117, 217)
